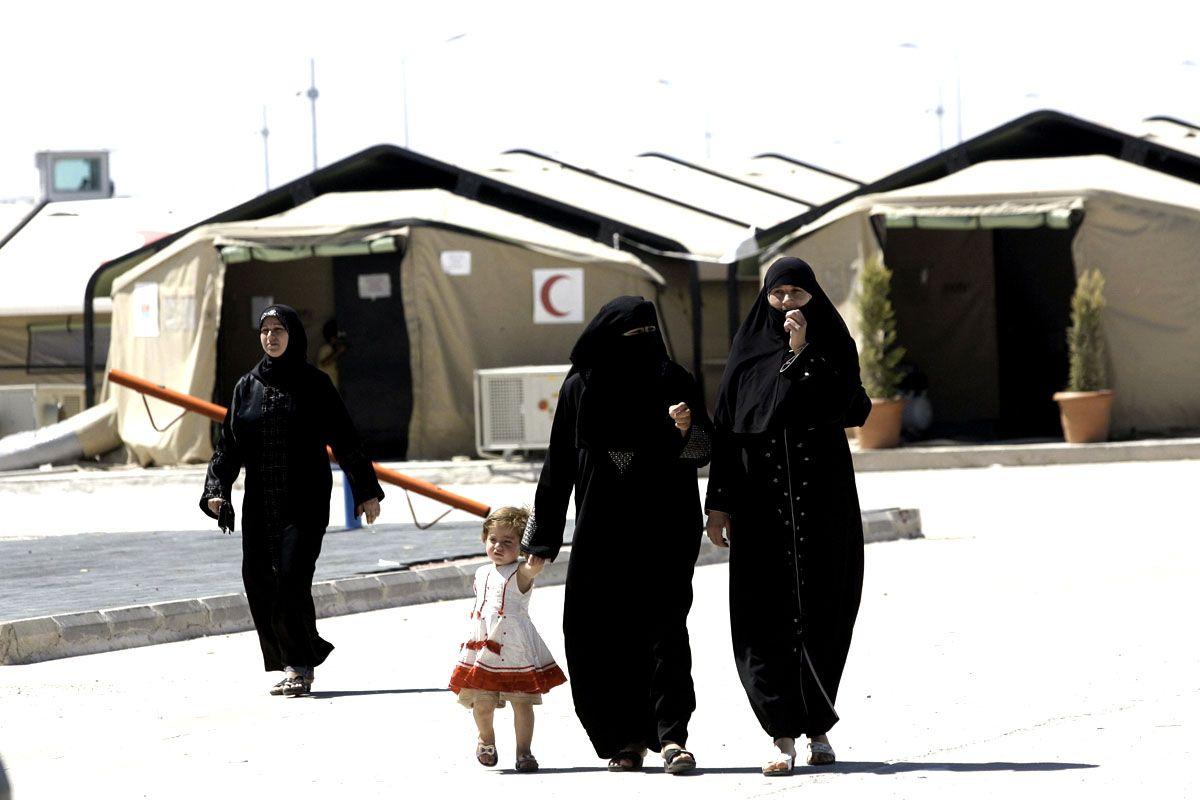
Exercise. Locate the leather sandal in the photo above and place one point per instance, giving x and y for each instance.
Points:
(634, 758)
(527, 763)
(677, 761)
(820, 754)
(778, 765)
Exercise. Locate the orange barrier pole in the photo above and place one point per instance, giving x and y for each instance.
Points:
(216, 412)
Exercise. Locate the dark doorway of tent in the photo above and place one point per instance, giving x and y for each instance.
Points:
(983, 313)
(360, 292)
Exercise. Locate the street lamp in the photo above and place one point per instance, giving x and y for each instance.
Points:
(940, 110)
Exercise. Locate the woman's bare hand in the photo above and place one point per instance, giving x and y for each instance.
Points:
(214, 505)
(682, 416)
(796, 327)
(719, 528)
(370, 508)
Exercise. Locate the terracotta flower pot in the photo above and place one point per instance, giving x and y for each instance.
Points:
(1085, 415)
(882, 428)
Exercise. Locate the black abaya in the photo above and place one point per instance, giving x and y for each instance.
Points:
(280, 420)
(637, 535)
(782, 471)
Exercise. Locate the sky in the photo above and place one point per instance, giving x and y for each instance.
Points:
(177, 91)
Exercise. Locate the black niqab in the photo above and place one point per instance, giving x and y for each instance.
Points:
(750, 393)
(622, 406)
(289, 368)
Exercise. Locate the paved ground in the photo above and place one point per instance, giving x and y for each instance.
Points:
(56, 574)
(1038, 644)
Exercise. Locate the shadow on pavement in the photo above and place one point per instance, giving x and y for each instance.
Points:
(884, 768)
(365, 692)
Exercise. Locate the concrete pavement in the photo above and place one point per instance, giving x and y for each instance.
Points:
(1038, 643)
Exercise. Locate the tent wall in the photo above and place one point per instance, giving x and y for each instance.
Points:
(1150, 258)
(459, 323)
(181, 354)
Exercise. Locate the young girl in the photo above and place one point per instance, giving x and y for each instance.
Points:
(503, 658)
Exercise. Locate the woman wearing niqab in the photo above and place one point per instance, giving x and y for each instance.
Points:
(782, 497)
(628, 434)
(283, 414)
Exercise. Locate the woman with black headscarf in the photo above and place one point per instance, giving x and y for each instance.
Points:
(781, 495)
(629, 432)
(284, 412)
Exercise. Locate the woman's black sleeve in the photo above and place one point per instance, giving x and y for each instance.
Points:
(816, 392)
(347, 446)
(544, 532)
(726, 476)
(226, 462)
(696, 446)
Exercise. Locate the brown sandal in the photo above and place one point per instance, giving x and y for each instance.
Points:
(527, 763)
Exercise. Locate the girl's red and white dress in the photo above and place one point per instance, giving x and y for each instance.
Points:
(503, 653)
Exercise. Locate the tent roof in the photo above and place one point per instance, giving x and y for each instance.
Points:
(370, 212)
(621, 194)
(386, 167)
(1041, 134)
(47, 263)
(1023, 186)
(345, 217)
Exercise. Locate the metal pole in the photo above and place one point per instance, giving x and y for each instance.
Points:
(312, 95)
(266, 151)
(404, 91)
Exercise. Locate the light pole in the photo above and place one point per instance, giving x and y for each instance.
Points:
(940, 110)
(266, 151)
(312, 94)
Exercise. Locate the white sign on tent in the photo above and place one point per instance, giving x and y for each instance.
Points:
(557, 296)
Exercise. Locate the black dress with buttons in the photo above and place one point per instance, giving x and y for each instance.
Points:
(796, 550)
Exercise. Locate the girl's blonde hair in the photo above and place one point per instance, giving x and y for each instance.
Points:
(506, 517)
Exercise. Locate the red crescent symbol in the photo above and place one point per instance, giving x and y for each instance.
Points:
(546, 287)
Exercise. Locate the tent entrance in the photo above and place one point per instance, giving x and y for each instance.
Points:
(983, 314)
(373, 372)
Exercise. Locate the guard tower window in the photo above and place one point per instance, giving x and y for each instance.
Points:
(77, 175)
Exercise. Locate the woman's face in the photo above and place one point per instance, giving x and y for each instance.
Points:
(273, 337)
(786, 297)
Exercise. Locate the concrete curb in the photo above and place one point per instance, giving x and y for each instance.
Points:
(27, 641)
(1024, 455)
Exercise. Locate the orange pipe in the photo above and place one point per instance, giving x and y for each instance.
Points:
(216, 412)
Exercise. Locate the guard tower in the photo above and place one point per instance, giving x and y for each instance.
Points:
(74, 174)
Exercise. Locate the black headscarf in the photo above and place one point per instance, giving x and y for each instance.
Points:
(287, 371)
(622, 405)
(749, 391)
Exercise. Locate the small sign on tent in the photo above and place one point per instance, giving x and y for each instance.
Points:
(145, 310)
(557, 296)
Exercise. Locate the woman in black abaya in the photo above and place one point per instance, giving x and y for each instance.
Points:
(284, 412)
(628, 436)
(781, 495)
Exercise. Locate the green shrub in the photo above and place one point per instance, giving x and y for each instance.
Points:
(1085, 341)
(878, 355)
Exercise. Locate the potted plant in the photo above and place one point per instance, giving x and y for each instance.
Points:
(879, 357)
(1086, 404)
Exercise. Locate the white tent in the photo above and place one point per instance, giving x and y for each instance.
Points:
(984, 261)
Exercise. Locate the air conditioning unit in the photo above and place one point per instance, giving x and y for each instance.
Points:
(29, 406)
(514, 407)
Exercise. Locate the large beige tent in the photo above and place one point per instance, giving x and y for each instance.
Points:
(427, 285)
(984, 264)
